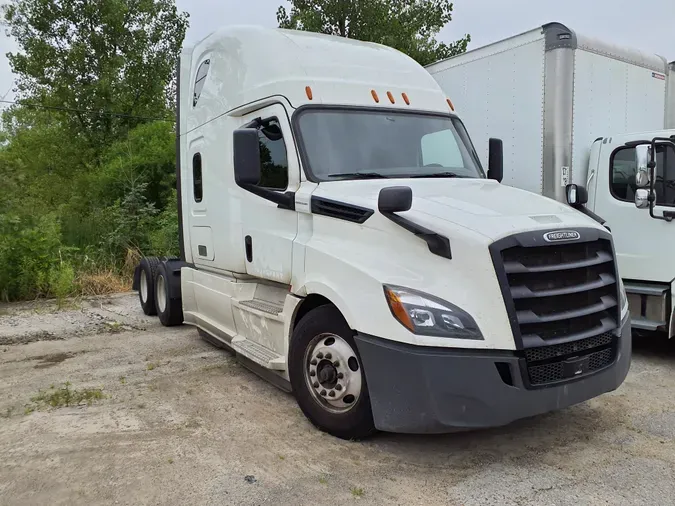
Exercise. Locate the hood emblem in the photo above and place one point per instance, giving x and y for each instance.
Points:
(562, 235)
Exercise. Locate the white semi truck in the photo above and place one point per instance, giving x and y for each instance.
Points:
(339, 234)
(573, 110)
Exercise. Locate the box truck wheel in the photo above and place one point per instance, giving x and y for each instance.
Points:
(327, 376)
(146, 289)
(169, 310)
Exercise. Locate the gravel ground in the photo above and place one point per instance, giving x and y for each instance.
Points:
(181, 422)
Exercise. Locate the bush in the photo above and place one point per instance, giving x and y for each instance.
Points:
(62, 282)
(32, 258)
(164, 238)
(70, 225)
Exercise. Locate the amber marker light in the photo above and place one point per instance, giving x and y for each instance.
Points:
(398, 310)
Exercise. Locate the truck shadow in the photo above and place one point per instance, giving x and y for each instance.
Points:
(653, 346)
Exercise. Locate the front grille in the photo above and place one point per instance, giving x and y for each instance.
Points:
(562, 300)
(567, 349)
(555, 371)
(562, 291)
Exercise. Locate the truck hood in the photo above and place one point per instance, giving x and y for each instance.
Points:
(482, 206)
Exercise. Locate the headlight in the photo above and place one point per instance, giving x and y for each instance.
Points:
(427, 315)
(623, 299)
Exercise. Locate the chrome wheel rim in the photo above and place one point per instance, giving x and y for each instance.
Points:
(161, 293)
(333, 373)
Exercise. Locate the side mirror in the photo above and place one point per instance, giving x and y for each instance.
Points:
(642, 198)
(496, 160)
(395, 199)
(576, 195)
(643, 154)
(246, 157)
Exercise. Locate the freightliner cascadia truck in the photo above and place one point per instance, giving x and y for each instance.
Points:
(339, 233)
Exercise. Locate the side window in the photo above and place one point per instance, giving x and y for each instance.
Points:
(441, 148)
(202, 72)
(273, 157)
(197, 184)
(624, 168)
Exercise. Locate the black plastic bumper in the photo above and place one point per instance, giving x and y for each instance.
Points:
(414, 389)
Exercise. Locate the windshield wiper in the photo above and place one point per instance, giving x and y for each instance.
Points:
(360, 175)
(437, 174)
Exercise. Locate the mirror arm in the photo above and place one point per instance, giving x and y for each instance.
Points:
(667, 215)
(283, 200)
(590, 214)
(438, 244)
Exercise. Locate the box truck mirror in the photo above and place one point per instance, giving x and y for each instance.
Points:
(395, 199)
(642, 159)
(642, 198)
(246, 157)
(496, 160)
(576, 195)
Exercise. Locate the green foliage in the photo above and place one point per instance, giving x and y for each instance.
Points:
(100, 55)
(32, 259)
(84, 186)
(407, 25)
(164, 237)
(65, 396)
(62, 282)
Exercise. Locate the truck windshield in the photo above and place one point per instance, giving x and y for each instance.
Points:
(355, 144)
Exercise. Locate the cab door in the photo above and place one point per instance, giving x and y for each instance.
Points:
(644, 245)
(268, 230)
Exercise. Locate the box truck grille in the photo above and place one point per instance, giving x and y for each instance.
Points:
(562, 300)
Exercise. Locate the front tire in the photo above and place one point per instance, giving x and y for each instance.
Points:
(327, 375)
(169, 310)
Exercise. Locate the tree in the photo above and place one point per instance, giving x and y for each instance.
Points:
(407, 25)
(103, 56)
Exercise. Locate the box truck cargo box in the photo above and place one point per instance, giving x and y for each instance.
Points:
(576, 110)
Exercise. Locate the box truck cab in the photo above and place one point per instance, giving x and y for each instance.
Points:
(339, 233)
(572, 110)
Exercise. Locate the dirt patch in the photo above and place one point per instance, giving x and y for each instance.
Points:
(51, 360)
(157, 416)
(29, 337)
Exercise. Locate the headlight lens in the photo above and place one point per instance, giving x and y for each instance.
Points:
(623, 299)
(427, 315)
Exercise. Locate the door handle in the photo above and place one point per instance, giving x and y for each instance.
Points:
(249, 248)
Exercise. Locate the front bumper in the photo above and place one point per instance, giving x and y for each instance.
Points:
(414, 389)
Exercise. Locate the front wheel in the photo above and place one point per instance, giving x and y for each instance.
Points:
(327, 375)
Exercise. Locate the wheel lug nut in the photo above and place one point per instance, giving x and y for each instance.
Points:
(319, 355)
(340, 375)
(323, 392)
(312, 373)
(313, 362)
(328, 356)
(338, 387)
(315, 384)
(336, 363)
(331, 394)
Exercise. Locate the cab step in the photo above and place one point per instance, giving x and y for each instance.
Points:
(259, 354)
(263, 306)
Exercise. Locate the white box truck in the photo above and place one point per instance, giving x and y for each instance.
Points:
(339, 234)
(573, 110)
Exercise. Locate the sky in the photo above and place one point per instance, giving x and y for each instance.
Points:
(646, 25)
